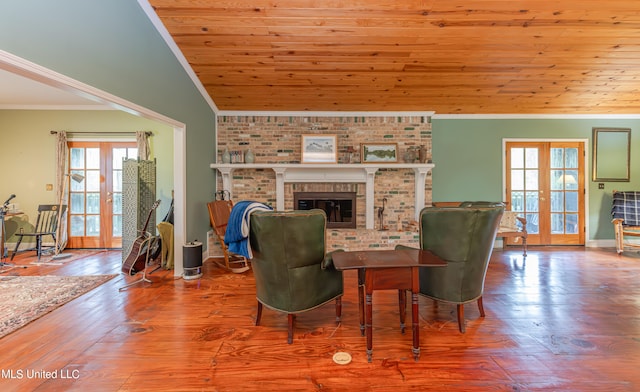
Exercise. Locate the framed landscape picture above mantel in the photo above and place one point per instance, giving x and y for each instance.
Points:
(319, 149)
(379, 152)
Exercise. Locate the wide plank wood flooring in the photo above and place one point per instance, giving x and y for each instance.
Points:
(563, 319)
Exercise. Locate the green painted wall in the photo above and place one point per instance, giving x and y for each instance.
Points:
(468, 158)
(112, 45)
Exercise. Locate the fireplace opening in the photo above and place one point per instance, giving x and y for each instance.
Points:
(340, 207)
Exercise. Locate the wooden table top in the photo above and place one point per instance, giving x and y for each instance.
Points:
(386, 259)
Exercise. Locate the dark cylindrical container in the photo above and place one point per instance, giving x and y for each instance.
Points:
(192, 260)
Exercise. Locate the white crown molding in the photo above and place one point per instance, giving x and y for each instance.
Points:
(524, 116)
(248, 113)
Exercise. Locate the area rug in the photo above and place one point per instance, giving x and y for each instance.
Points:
(26, 298)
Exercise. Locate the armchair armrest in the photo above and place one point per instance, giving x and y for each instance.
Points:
(401, 247)
(328, 259)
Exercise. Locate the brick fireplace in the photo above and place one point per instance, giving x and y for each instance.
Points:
(276, 141)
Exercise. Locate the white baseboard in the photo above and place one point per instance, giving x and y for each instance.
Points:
(601, 244)
(589, 244)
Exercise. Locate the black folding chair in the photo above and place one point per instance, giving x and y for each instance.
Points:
(46, 225)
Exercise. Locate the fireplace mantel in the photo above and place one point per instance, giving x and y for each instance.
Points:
(331, 173)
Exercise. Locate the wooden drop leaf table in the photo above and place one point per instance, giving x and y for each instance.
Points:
(383, 270)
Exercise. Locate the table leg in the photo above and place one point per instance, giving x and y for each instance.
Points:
(415, 284)
(416, 326)
(369, 322)
(361, 299)
(402, 303)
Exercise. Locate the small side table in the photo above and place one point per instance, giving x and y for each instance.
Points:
(388, 269)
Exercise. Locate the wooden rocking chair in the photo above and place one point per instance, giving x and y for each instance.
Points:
(219, 212)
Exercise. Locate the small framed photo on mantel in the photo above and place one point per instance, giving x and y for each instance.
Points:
(319, 149)
(379, 152)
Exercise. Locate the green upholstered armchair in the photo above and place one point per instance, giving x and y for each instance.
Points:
(464, 237)
(292, 270)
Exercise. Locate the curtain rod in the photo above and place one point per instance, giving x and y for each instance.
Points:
(148, 133)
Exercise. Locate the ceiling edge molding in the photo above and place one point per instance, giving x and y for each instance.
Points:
(168, 39)
(515, 116)
(248, 113)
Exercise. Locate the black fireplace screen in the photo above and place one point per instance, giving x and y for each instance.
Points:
(340, 207)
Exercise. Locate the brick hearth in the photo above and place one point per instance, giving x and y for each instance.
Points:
(350, 239)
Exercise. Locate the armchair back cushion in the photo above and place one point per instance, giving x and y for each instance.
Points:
(288, 254)
(464, 237)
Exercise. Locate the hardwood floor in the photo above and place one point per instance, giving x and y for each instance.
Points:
(564, 319)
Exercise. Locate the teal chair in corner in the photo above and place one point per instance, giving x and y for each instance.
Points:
(292, 269)
(464, 237)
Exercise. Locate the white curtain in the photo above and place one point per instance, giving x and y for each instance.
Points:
(61, 162)
(142, 139)
(62, 151)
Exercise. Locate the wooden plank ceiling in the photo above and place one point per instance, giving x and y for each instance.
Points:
(449, 56)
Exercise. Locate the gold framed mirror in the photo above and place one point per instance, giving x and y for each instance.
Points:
(611, 154)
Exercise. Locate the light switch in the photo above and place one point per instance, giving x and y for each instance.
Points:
(49, 187)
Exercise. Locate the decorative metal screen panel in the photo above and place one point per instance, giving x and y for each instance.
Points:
(138, 195)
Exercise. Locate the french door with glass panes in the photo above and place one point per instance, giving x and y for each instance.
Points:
(545, 184)
(95, 204)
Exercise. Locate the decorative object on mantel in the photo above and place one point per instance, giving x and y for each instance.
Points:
(319, 149)
(249, 157)
(381, 216)
(226, 156)
(409, 155)
(349, 154)
(422, 154)
(379, 152)
(237, 156)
